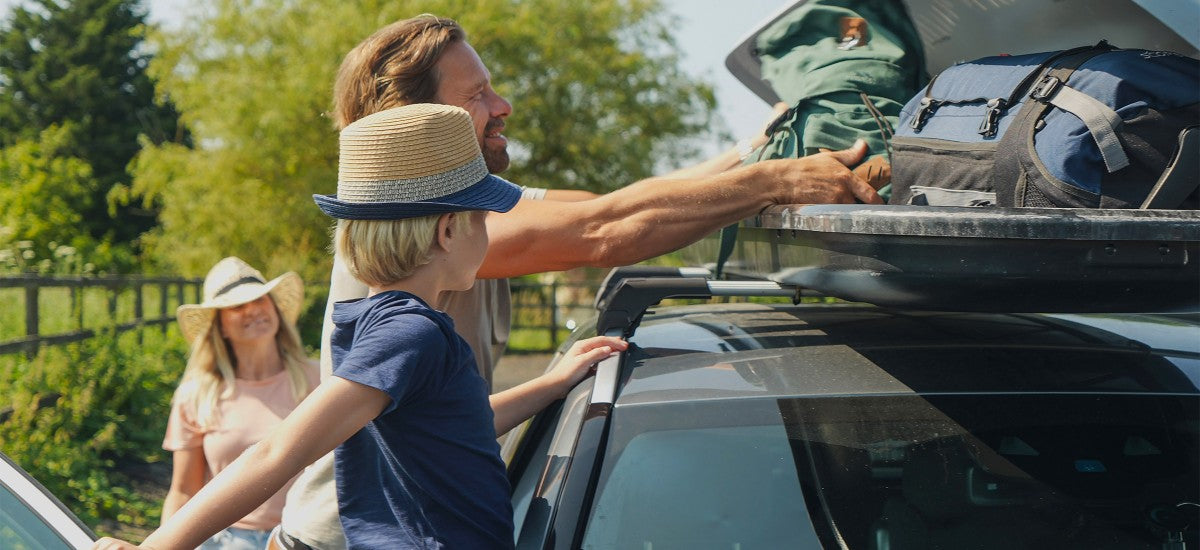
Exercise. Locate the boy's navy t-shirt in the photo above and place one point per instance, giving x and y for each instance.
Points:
(425, 473)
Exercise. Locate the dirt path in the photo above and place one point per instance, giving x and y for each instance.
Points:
(514, 369)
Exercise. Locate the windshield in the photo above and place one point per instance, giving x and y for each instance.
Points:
(902, 471)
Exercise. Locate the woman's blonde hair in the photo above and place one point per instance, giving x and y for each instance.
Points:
(381, 252)
(393, 67)
(209, 376)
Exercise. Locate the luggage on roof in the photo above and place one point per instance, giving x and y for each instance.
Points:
(1091, 127)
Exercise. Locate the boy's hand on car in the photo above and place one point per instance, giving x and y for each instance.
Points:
(580, 360)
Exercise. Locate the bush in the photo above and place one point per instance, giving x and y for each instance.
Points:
(114, 395)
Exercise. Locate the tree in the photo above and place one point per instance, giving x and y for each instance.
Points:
(80, 66)
(42, 211)
(599, 102)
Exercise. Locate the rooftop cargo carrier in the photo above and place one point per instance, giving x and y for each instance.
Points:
(979, 259)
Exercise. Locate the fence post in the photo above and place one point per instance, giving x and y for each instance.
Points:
(77, 304)
(138, 317)
(31, 317)
(162, 305)
(112, 289)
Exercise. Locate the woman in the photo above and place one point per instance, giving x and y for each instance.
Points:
(246, 371)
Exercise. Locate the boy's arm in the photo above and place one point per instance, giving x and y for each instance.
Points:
(331, 414)
(513, 406)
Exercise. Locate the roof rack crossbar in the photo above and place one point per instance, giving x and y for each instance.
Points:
(617, 274)
(628, 300)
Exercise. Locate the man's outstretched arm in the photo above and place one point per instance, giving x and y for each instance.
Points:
(659, 215)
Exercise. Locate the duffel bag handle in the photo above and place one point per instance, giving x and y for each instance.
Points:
(1182, 175)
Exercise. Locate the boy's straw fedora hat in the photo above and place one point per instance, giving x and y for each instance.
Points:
(232, 282)
(410, 161)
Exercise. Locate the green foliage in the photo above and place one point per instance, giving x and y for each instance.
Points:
(110, 417)
(41, 210)
(598, 98)
(73, 84)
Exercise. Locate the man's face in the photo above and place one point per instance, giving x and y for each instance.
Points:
(465, 82)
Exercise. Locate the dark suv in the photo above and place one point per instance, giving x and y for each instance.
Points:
(987, 377)
(904, 424)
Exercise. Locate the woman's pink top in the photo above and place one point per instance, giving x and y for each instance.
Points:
(257, 406)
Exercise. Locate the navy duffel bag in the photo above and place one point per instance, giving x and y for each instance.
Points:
(1092, 127)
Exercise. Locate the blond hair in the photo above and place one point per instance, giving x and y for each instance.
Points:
(209, 376)
(382, 252)
(393, 67)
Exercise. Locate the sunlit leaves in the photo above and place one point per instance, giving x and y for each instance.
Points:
(599, 102)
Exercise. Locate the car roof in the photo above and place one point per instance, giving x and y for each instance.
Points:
(735, 351)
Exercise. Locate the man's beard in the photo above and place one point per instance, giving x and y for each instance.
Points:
(496, 158)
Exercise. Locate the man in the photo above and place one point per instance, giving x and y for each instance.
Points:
(426, 59)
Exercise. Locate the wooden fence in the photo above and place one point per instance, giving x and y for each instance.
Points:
(50, 310)
(124, 303)
(543, 314)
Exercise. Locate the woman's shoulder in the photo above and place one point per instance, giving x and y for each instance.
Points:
(312, 371)
(187, 388)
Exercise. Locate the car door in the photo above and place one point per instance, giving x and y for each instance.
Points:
(31, 518)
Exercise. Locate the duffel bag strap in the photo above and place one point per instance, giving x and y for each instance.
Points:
(1018, 139)
(1182, 176)
(782, 123)
(1100, 119)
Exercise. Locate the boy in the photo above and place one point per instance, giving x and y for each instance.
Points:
(418, 465)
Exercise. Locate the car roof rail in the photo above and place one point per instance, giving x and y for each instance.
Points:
(621, 309)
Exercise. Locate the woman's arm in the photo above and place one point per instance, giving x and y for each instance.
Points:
(513, 406)
(187, 477)
(332, 413)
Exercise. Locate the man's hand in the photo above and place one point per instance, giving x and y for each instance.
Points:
(823, 178)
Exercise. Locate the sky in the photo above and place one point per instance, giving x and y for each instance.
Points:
(707, 31)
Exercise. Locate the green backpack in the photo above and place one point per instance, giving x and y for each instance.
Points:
(846, 67)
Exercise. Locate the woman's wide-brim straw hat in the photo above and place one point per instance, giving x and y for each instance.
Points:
(232, 282)
(410, 161)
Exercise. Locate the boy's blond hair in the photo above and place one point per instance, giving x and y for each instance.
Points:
(382, 252)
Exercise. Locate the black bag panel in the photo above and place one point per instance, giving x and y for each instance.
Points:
(940, 163)
(1149, 138)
